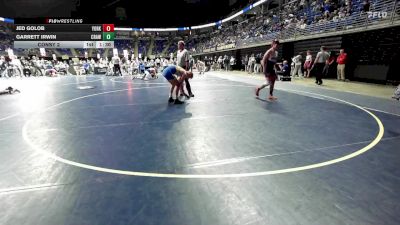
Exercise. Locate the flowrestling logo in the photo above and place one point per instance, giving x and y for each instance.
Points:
(64, 21)
(380, 15)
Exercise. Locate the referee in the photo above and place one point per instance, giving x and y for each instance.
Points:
(183, 61)
(116, 61)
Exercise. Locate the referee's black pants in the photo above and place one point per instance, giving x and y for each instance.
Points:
(188, 88)
(117, 68)
(319, 71)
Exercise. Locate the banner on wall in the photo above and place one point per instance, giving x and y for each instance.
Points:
(226, 47)
(209, 49)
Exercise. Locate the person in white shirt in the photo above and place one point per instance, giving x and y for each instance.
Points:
(396, 94)
(164, 64)
(231, 63)
(134, 68)
(183, 61)
(171, 62)
(250, 64)
(201, 67)
(220, 61)
(297, 66)
(116, 61)
(320, 62)
(150, 74)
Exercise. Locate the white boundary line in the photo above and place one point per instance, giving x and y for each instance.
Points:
(77, 83)
(377, 110)
(29, 188)
(247, 158)
(10, 116)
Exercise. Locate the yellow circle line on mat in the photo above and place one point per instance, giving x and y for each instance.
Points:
(204, 176)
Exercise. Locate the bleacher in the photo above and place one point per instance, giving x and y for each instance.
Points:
(143, 44)
(173, 48)
(65, 51)
(281, 24)
(159, 46)
(124, 45)
(5, 41)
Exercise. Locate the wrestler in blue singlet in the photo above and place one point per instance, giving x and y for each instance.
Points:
(169, 72)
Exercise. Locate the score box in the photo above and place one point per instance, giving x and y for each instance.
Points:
(108, 36)
(108, 27)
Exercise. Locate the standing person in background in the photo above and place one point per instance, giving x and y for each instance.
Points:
(164, 64)
(320, 62)
(396, 94)
(226, 63)
(86, 66)
(297, 65)
(257, 65)
(171, 62)
(158, 63)
(220, 62)
(207, 64)
(329, 68)
(201, 66)
(245, 61)
(142, 67)
(308, 64)
(191, 63)
(251, 63)
(183, 61)
(341, 61)
(3, 65)
(134, 67)
(116, 61)
(231, 63)
(215, 65)
(151, 63)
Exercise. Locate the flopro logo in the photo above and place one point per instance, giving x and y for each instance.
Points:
(380, 15)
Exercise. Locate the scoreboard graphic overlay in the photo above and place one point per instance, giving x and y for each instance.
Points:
(62, 33)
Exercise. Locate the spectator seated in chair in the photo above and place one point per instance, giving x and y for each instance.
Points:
(283, 69)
